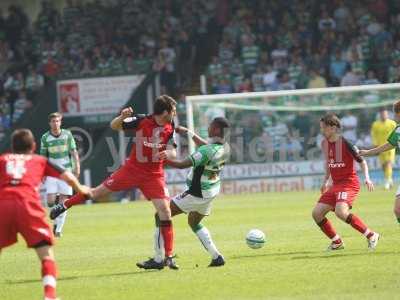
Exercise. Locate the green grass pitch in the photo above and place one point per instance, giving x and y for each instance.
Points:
(102, 243)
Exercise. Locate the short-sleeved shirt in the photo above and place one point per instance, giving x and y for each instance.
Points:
(340, 158)
(204, 178)
(21, 175)
(58, 148)
(394, 137)
(150, 139)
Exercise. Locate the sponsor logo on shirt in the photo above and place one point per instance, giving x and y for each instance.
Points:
(197, 156)
(333, 165)
(153, 145)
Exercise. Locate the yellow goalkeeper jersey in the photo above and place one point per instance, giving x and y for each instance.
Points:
(381, 130)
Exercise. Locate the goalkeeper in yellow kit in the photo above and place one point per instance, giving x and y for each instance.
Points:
(380, 132)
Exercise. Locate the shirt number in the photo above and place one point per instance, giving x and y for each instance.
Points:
(16, 169)
(342, 196)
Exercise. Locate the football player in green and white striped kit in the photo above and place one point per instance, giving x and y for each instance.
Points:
(59, 146)
(393, 141)
(203, 185)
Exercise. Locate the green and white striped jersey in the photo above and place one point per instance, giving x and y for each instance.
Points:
(208, 160)
(394, 137)
(58, 148)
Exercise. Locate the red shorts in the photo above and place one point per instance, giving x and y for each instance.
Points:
(346, 193)
(126, 177)
(25, 217)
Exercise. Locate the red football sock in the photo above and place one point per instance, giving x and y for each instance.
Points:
(359, 225)
(327, 228)
(74, 200)
(167, 233)
(49, 274)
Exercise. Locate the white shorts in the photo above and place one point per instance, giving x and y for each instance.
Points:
(57, 186)
(398, 192)
(188, 203)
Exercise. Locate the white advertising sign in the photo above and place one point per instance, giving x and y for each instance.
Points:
(260, 185)
(95, 96)
(265, 170)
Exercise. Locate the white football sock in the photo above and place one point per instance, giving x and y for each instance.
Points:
(335, 238)
(158, 245)
(205, 238)
(60, 220)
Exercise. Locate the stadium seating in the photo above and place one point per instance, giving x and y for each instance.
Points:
(279, 45)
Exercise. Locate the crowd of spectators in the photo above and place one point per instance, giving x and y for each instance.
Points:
(99, 38)
(282, 45)
(243, 45)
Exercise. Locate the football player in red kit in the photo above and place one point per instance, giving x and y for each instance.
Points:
(144, 168)
(21, 173)
(340, 158)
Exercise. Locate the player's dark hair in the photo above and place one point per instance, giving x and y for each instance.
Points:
(222, 124)
(54, 115)
(164, 103)
(22, 141)
(396, 107)
(331, 120)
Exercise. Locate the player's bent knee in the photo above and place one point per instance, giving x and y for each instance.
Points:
(100, 191)
(396, 210)
(193, 223)
(44, 250)
(175, 210)
(51, 201)
(164, 214)
(343, 215)
(194, 220)
(317, 215)
(42, 244)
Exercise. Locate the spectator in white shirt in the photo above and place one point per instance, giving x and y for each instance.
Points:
(349, 127)
(350, 78)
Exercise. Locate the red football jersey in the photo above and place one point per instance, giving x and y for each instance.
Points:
(340, 158)
(22, 174)
(150, 139)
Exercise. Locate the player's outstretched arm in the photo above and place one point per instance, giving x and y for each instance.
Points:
(70, 178)
(377, 150)
(180, 164)
(116, 123)
(368, 182)
(198, 140)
